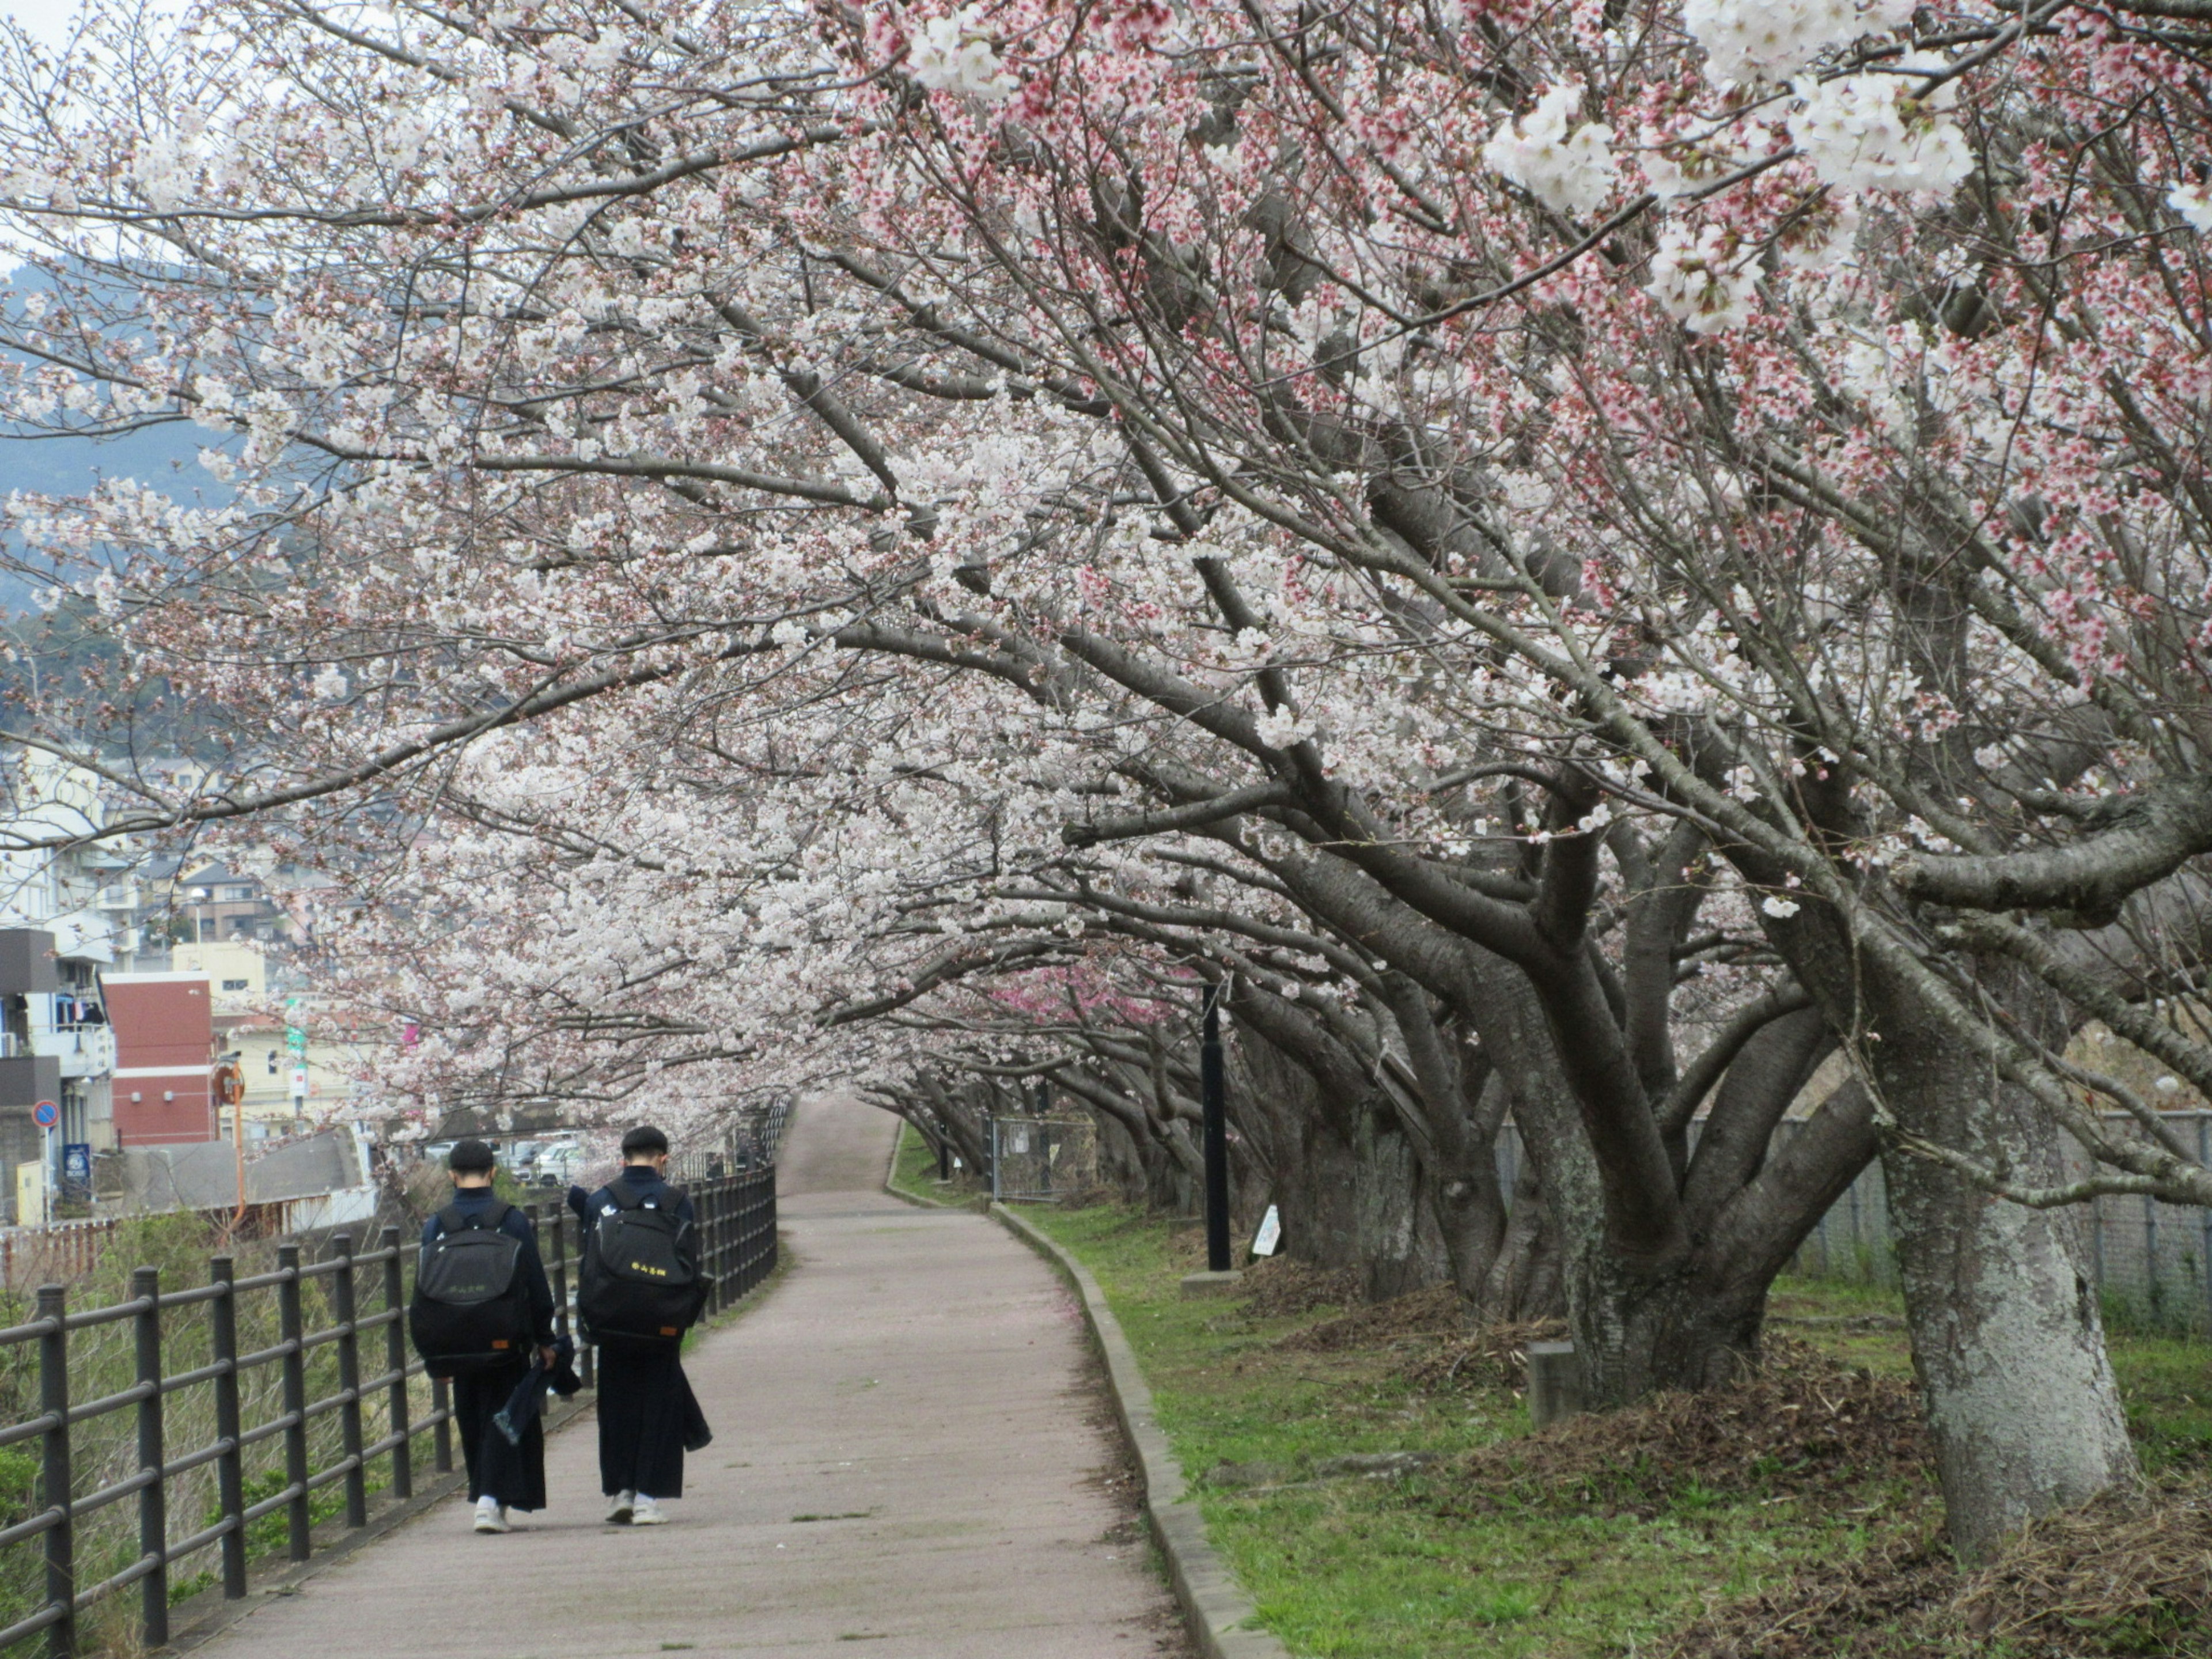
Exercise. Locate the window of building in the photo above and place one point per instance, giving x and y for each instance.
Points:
(237, 985)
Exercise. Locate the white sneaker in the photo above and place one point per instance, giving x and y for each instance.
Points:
(491, 1516)
(621, 1507)
(647, 1514)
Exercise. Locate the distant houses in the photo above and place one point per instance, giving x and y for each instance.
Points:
(131, 987)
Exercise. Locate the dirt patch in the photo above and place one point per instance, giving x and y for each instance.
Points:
(1433, 1312)
(1278, 1288)
(2125, 1577)
(1121, 1479)
(1800, 1424)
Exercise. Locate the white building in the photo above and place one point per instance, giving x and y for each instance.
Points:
(87, 897)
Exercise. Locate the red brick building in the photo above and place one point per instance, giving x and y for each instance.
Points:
(164, 1051)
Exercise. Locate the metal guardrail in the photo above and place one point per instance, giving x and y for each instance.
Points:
(56, 1523)
(738, 1247)
(737, 1232)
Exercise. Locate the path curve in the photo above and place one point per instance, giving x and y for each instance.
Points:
(906, 1465)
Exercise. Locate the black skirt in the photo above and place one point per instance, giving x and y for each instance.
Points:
(513, 1475)
(647, 1416)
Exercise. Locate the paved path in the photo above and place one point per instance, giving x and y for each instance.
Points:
(906, 1465)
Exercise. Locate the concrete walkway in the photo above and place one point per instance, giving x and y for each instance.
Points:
(911, 1454)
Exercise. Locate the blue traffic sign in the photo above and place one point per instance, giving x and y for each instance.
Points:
(45, 1115)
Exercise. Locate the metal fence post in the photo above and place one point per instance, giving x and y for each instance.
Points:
(344, 1303)
(556, 1267)
(230, 1466)
(395, 1361)
(58, 1481)
(768, 1223)
(720, 1206)
(152, 1497)
(292, 1331)
(441, 1438)
(723, 1205)
(2152, 1285)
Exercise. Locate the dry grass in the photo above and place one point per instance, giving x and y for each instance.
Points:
(1279, 1288)
(2129, 1575)
(1490, 1358)
(1800, 1427)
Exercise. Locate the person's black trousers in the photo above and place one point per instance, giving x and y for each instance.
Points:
(513, 1475)
(647, 1416)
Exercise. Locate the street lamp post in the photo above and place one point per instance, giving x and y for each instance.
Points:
(1213, 1100)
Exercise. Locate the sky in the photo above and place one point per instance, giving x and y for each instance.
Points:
(164, 456)
(47, 19)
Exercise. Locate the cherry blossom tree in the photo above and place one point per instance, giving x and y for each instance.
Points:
(1827, 452)
(1510, 534)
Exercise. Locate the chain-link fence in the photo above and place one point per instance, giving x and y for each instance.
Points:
(1043, 1160)
(2146, 1259)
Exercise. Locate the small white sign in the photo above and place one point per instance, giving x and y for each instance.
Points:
(1271, 1233)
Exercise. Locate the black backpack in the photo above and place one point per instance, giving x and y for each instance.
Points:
(640, 1279)
(471, 1308)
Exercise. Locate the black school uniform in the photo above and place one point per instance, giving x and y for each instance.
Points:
(647, 1414)
(508, 1475)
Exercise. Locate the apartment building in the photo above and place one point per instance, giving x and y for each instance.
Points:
(68, 917)
(165, 1055)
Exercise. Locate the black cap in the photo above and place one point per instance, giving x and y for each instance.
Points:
(472, 1157)
(644, 1139)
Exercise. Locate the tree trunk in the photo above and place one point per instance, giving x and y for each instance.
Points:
(1347, 1179)
(2007, 1337)
(1523, 1281)
(2006, 1333)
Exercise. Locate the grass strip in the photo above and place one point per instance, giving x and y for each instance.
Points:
(1488, 1542)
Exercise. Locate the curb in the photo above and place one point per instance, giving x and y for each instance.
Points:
(1215, 1606)
(919, 1201)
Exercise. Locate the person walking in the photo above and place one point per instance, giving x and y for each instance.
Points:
(482, 1310)
(641, 1288)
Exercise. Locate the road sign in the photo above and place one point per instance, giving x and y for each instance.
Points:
(45, 1115)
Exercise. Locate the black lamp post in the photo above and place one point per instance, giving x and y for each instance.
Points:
(1214, 1101)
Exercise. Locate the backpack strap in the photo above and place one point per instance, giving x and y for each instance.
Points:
(628, 1197)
